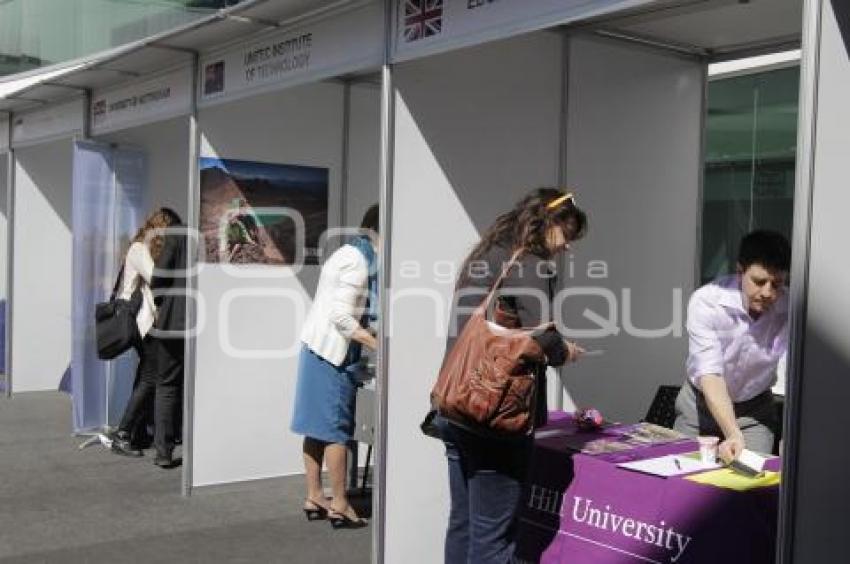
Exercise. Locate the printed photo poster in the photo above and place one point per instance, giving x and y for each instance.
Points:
(261, 213)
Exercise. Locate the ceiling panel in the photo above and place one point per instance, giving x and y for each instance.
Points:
(720, 25)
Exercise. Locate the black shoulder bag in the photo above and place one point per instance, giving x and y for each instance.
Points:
(115, 323)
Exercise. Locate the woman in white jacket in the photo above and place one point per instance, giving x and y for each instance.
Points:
(335, 330)
(156, 365)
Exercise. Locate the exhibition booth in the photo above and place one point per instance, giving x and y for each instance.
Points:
(607, 100)
(297, 110)
(137, 141)
(456, 112)
(567, 120)
(82, 169)
(134, 160)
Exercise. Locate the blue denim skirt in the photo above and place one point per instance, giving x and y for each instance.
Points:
(325, 397)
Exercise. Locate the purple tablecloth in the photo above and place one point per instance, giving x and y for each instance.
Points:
(582, 509)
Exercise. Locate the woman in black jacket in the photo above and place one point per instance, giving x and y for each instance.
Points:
(159, 379)
(486, 474)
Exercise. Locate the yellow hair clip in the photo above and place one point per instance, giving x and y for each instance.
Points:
(560, 200)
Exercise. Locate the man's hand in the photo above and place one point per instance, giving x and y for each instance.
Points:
(721, 408)
(731, 448)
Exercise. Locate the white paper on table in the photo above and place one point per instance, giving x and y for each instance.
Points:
(749, 463)
(546, 433)
(666, 465)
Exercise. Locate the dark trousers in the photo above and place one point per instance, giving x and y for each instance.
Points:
(485, 483)
(159, 376)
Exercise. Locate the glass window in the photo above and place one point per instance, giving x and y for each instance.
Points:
(36, 33)
(751, 137)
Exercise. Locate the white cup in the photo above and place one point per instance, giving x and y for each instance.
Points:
(708, 449)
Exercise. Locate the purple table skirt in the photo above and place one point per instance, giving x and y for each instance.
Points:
(583, 509)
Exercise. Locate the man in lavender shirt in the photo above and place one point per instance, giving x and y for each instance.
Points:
(737, 333)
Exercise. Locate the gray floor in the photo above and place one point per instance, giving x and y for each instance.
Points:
(60, 504)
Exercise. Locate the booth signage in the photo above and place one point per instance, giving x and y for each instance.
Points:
(163, 97)
(598, 520)
(47, 124)
(425, 27)
(344, 43)
(4, 134)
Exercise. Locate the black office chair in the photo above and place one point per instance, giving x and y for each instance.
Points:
(662, 411)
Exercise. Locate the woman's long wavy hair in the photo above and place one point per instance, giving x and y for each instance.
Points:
(152, 233)
(527, 224)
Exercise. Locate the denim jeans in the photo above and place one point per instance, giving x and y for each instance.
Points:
(485, 482)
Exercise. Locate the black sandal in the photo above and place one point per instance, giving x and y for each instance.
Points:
(341, 521)
(317, 513)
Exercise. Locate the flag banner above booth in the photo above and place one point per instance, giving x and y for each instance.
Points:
(4, 135)
(166, 96)
(343, 43)
(426, 27)
(48, 124)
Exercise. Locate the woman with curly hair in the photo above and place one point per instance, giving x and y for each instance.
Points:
(159, 374)
(486, 474)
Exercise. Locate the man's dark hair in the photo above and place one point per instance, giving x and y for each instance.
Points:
(370, 219)
(767, 248)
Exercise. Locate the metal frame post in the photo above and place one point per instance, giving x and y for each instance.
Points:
(192, 223)
(385, 174)
(562, 174)
(11, 165)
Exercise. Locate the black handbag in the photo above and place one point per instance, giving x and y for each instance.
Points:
(115, 323)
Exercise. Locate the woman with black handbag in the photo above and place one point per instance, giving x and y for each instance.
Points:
(486, 473)
(144, 252)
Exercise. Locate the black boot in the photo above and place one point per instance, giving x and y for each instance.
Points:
(121, 444)
(166, 461)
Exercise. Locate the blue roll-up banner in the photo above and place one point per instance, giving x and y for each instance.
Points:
(109, 189)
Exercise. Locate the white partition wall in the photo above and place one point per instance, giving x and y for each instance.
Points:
(816, 468)
(152, 115)
(363, 157)
(41, 273)
(166, 146)
(471, 136)
(634, 130)
(248, 341)
(42, 266)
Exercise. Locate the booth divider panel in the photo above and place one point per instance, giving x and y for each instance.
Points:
(633, 157)
(818, 482)
(474, 131)
(167, 148)
(42, 269)
(364, 144)
(243, 405)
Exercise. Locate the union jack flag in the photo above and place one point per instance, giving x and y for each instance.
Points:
(422, 18)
